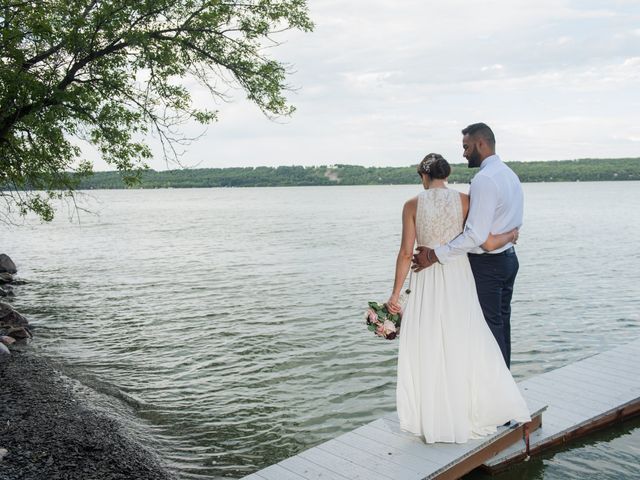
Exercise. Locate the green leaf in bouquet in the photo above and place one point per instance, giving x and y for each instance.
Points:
(371, 327)
(374, 305)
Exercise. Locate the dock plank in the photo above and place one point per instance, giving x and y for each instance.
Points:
(585, 403)
(610, 366)
(309, 470)
(395, 455)
(380, 464)
(606, 389)
(346, 467)
(278, 472)
(412, 445)
(608, 375)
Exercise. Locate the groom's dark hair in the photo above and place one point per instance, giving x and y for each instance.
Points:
(481, 130)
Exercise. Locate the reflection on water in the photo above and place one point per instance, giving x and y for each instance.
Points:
(225, 325)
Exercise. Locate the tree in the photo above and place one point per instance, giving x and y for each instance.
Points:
(108, 72)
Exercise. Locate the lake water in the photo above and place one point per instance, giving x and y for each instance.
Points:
(224, 326)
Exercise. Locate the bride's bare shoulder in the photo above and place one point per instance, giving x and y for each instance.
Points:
(412, 203)
(411, 206)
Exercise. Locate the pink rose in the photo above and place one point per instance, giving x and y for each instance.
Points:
(388, 327)
(372, 316)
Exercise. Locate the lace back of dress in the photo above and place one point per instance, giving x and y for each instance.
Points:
(439, 217)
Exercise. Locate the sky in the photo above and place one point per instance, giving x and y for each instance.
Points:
(384, 82)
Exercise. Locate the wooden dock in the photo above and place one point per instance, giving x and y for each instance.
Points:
(581, 397)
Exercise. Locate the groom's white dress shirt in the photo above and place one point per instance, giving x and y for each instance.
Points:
(497, 205)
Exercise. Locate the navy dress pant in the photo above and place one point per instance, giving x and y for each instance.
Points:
(495, 275)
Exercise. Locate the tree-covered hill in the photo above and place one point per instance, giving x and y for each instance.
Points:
(553, 171)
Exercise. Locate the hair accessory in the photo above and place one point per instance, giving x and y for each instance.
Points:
(426, 163)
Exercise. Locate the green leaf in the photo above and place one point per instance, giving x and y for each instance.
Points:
(111, 72)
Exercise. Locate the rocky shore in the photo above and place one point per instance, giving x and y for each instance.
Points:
(46, 431)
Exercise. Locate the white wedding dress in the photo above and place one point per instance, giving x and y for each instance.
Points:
(453, 384)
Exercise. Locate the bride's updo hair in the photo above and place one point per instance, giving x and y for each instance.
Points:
(435, 166)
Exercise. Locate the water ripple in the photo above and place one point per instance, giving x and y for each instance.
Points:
(225, 326)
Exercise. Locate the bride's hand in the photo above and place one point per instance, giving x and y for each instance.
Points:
(393, 304)
(516, 234)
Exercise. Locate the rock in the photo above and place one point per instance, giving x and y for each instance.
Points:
(7, 340)
(3, 453)
(10, 318)
(6, 277)
(7, 291)
(4, 350)
(6, 264)
(19, 333)
(48, 419)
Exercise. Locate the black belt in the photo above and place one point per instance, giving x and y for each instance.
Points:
(508, 251)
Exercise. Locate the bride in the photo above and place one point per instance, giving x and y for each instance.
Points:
(453, 384)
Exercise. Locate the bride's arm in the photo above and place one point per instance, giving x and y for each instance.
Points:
(403, 262)
(494, 242)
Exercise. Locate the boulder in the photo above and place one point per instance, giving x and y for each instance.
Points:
(6, 264)
(4, 350)
(6, 291)
(19, 333)
(6, 277)
(10, 318)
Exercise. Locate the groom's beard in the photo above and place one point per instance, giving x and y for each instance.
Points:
(474, 160)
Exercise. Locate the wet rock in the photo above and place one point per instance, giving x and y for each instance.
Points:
(6, 277)
(4, 350)
(19, 333)
(54, 435)
(9, 317)
(6, 291)
(6, 264)
(3, 453)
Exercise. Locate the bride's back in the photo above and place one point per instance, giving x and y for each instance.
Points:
(439, 216)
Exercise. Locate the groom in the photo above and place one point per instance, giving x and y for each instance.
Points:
(496, 207)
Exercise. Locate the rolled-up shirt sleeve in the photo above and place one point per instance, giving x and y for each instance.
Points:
(484, 195)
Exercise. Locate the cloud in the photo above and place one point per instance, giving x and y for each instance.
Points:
(382, 82)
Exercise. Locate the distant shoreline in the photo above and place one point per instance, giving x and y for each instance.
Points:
(582, 170)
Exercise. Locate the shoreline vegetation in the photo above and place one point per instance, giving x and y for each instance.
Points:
(582, 170)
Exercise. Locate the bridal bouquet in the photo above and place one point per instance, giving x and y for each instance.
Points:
(382, 322)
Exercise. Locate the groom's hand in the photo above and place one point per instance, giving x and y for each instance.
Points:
(423, 258)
